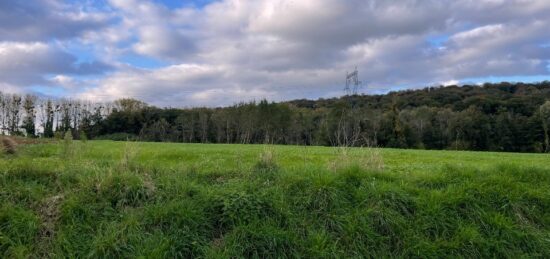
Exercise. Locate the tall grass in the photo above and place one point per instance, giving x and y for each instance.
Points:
(367, 159)
(355, 207)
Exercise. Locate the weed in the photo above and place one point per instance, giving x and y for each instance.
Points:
(128, 160)
(267, 161)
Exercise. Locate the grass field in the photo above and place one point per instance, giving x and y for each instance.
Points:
(159, 200)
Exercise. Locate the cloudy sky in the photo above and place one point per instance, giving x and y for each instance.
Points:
(193, 53)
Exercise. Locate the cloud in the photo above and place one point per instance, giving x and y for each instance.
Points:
(27, 64)
(22, 20)
(228, 51)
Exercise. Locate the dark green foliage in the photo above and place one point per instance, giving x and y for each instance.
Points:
(499, 117)
(83, 137)
(509, 117)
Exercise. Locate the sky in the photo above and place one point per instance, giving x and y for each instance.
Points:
(176, 53)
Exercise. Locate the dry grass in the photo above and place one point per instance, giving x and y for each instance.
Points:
(368, 159)
(129, 155)
(267, 160)
(9, 146)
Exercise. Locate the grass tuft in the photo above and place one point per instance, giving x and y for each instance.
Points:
(267, 161)
(366, 159)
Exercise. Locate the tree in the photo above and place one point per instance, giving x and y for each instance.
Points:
(545, 119)
(30, 115)
(14, 113)
(3, 113)
(129, 105)
(49, 114)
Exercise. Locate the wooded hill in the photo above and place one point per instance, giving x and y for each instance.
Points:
(496, 117)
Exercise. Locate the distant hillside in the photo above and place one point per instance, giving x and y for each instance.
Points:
(518, 97)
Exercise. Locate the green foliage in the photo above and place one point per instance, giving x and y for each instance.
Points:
(83, 137)
(492, 117)
(545, 118)
(198, 201)
(510, 117)
(59, 135)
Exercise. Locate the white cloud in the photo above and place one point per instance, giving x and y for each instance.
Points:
(237, 50)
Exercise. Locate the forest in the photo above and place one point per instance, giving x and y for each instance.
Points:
(512, 117)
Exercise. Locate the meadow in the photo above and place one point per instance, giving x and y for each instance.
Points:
(165, 200)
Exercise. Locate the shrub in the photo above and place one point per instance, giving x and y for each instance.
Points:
(9, 146)
(58, 135)
(83, 137)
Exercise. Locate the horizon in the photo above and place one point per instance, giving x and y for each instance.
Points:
(217, 53)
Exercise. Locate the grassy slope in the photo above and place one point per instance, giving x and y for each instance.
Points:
(107, 199)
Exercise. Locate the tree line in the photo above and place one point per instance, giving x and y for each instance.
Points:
(493, 117)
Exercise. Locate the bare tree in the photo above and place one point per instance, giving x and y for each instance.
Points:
(3, 113)
(14, 113)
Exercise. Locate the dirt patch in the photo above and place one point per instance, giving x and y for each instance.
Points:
(49, 213)
(29, 141)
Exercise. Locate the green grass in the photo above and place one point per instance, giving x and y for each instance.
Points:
(160, 200)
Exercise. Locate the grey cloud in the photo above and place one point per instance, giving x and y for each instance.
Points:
(30, 63)
(22, 20)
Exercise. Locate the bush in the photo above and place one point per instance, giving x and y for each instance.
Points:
(9, 146)
(83, 137)
(58, 135)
